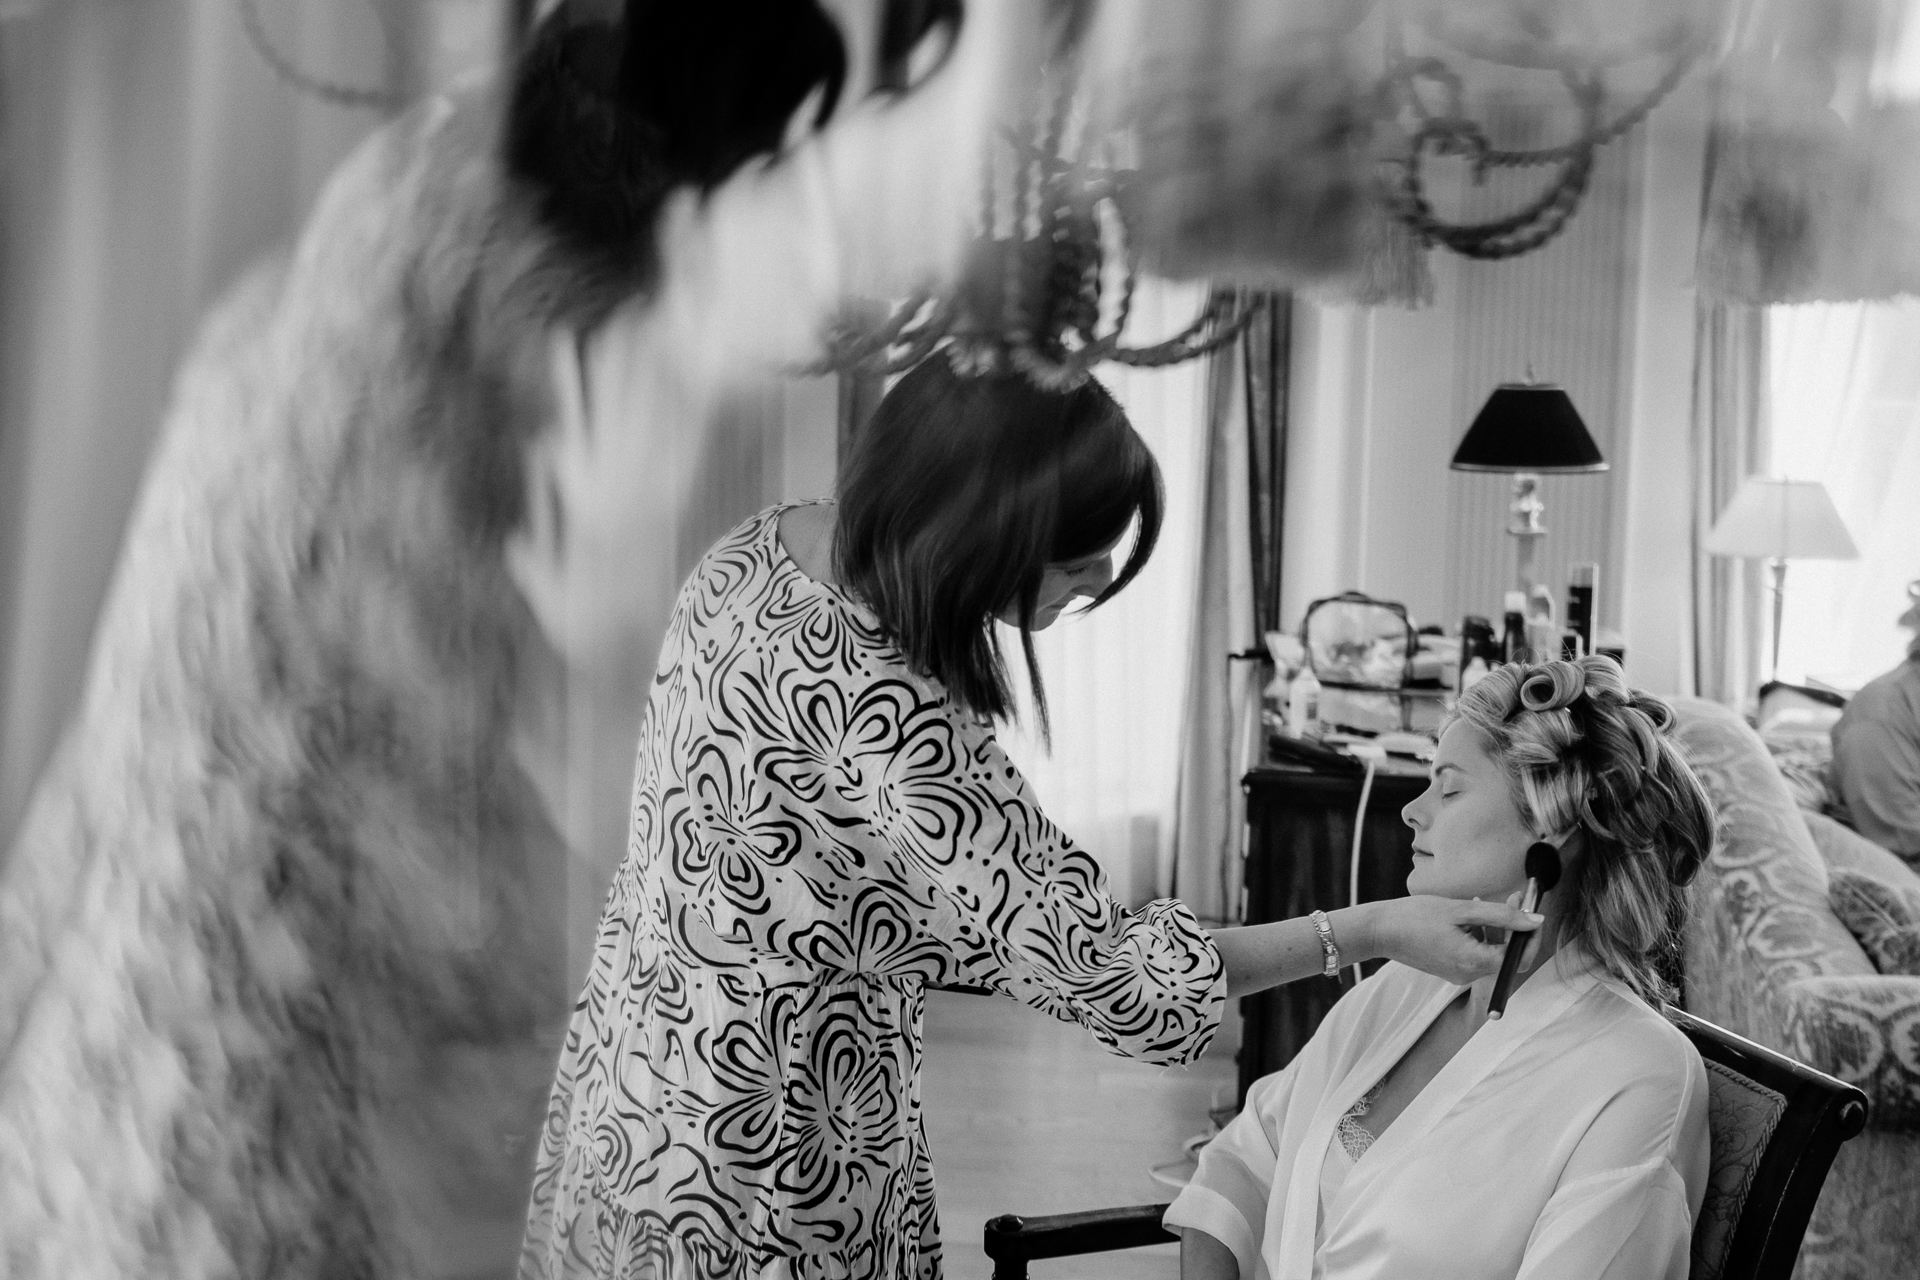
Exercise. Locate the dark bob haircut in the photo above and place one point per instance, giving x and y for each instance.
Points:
(959, 493)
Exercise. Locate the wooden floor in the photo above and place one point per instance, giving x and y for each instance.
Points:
(1028, 1115)
(1024, 1114)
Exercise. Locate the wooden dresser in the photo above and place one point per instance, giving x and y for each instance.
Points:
(1300, 833)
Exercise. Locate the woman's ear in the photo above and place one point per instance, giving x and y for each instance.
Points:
(1572, 846)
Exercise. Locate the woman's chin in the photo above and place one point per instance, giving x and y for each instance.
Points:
(1420, 881)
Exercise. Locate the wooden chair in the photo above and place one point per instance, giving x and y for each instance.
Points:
(1775, 1126)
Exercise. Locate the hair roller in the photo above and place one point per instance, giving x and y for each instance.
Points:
(1552, 686)
(1606, 682)
(1656, 710)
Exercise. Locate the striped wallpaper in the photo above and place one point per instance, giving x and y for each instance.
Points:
(1562, 310)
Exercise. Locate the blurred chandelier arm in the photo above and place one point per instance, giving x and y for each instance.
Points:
(1453, 133)
(1048, 282)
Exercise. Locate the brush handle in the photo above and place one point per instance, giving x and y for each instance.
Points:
(1503, 984)
(1510, 963)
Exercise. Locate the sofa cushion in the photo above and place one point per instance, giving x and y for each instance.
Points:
(1844, 849)
(1804, 754)
(1883, 914)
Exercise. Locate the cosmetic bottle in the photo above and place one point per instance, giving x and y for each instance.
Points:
(1513, 637)
(1303, 704)
(1581, 580)
(1476, 641)
(1543, 633)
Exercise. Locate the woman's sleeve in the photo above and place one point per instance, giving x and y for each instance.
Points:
(1625, 1202)
(1027, 912)
(1228, 1195)
(1628, 1224)
(949, 870)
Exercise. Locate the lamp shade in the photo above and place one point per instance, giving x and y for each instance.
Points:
(1781, 520)
(1528, 427)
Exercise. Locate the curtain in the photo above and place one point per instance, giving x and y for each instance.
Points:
(1116, 685)
(1236, 600)
(1730, 600)
(1264, 349)
(151, 151)
(1845, 410)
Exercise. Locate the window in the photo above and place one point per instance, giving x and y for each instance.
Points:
(1844, 409)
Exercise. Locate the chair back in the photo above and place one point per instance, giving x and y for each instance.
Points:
(1775, 1127)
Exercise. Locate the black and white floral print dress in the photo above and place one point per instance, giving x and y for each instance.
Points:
(818, 834)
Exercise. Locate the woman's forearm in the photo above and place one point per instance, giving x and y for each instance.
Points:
(1204, 1258)
(1259, 956)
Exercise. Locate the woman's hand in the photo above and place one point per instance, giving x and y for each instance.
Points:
(1431, 934)
(1442, 936)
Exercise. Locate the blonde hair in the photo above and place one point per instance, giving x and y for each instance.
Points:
(1584, 753)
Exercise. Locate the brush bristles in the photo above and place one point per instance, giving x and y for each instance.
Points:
(1543, 865)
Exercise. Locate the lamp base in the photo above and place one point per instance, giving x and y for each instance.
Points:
(1524, 524)
(1779, 567)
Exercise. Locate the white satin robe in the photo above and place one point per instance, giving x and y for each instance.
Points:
(1566, 1140)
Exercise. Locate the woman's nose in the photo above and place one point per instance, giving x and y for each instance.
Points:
(1097, 577)
(1410, 814)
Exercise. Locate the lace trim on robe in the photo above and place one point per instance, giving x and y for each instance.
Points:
(1354, 1139)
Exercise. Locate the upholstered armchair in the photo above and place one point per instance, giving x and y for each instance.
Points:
(1767, 958)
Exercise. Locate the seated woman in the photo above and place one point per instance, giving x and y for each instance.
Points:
(1412, 1137)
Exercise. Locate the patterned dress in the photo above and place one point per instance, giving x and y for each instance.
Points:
(818, 834)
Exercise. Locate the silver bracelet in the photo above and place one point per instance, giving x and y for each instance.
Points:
(1324, 927)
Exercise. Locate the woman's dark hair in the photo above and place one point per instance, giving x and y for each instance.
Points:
(959, 493)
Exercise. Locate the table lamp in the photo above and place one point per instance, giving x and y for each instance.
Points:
(1528, 428)
(1777, 521)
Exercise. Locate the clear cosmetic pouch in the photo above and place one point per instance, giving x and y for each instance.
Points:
(1357, 642)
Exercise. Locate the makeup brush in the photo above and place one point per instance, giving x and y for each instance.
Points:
(1543, 872)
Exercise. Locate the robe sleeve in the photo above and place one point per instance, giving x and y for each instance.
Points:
(1630, 1224)
(1227, 1197)
(1625, 1202)
(910, 845)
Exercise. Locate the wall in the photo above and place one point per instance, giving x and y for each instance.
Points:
(1381, 397)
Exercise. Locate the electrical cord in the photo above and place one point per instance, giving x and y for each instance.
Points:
(1359, 829)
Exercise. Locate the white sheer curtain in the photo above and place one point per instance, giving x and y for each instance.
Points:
(1116, 679)
(1845, 410)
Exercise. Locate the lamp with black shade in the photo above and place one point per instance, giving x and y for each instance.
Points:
(1529, 429)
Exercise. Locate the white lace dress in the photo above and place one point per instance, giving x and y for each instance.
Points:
(818, 834)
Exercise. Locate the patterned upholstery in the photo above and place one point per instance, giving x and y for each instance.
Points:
(1844, 849)
(1767, 958)
(1804, 754)
(1883, 915)
(1741, 1114)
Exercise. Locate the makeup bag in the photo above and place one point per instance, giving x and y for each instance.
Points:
(1354, 641)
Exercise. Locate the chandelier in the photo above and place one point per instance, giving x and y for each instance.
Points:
(1447, 129)
(1047, 284)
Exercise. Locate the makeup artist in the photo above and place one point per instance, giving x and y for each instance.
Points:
(824, 825)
